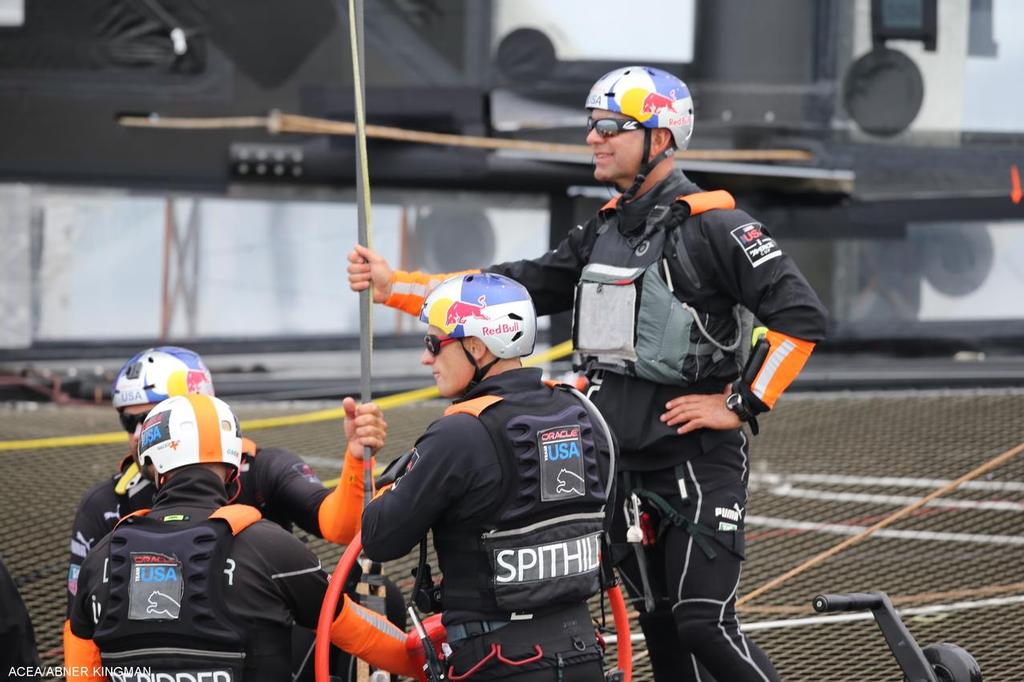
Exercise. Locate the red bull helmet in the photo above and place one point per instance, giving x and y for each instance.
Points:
(655, 98)
(493, 308)
(190, 429)
(159, 373)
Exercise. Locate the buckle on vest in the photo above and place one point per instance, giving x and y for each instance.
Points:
(473, 628)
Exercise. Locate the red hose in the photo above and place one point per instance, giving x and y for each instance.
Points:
(322, 653)
(623, 643)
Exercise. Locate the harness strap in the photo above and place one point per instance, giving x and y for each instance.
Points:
(473, 407)
(701, 202)
(698, 532)
(238, 516)
(137, 513)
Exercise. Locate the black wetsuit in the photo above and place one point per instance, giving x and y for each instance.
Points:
(694, 572)
(453, 480)
(270, 581)
(275, 481)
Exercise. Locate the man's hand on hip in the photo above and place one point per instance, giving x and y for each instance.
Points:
(700, 411)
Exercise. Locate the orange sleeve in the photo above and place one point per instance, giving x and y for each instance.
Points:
(340, 514)
(373, 638)
(781, 366)
(81, 658)
(410, 289)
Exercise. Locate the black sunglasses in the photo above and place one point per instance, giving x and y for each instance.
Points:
(434, 344)
(131, 421)
(610, 127)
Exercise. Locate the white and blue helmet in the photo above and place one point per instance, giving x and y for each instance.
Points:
(159, 373)
(655, 98)
(493, 308)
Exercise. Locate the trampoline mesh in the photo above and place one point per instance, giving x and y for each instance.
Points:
(824, 466)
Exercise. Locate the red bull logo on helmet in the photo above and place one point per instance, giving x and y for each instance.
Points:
(655, 103)
(461, 311)
(198, 381)
(644, 104)
(189, 381)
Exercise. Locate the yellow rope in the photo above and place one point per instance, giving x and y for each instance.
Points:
(385, 403)
(278, 122)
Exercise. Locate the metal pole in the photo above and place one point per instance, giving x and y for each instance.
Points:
(365, 220)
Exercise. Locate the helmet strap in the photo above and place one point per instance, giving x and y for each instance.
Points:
(645, 167)
(478, 372)
(233, 478)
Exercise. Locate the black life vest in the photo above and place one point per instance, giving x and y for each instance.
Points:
(540, 545)
(628, 317)
(165, 612)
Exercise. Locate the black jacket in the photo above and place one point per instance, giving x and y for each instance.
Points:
(453, 480)
(775, 292)
(723, 274)
(275, 481)
(275, 579)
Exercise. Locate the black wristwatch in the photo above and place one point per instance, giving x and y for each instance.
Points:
(736, 405)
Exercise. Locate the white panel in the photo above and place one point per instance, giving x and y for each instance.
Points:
(15, 262)
(942, 70)
(12, 12)
(998, 296)
(993, 96)
(605, 30)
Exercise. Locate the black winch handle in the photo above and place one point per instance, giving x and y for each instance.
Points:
(853, 601)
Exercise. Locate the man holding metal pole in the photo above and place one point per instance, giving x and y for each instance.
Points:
(512, 482)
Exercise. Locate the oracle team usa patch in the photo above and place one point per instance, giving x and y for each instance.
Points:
(755, 242)
(561, 463)
(156, 587)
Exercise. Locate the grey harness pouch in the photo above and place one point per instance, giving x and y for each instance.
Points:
(604, 316)
(663, 333)
(629, 320)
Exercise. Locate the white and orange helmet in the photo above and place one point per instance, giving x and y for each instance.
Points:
(190, 429)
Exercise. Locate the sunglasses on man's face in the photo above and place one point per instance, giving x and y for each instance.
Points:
(610, 127)
(434, 344)
(131, 421)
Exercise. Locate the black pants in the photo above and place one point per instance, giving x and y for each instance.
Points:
(563, 645)
(693, 630)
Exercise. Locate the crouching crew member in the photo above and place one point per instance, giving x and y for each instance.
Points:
(196, 588)
(512, 482)
(274, 480)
